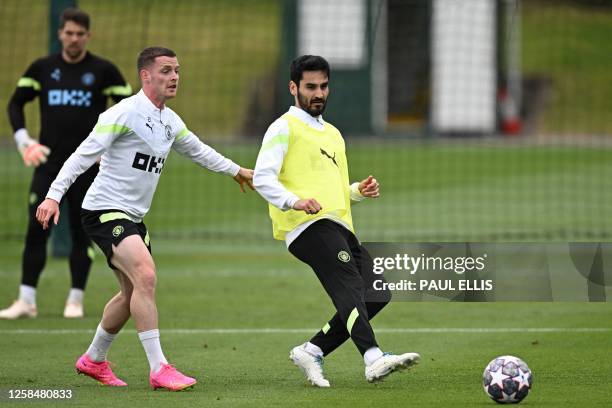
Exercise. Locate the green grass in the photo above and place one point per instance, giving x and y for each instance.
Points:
(203, 285)
(569, 45)
(444, 192)
(243, 280)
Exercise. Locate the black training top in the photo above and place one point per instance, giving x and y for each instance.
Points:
(71, 98)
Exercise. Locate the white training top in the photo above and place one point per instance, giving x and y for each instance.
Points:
(134, 138)
(270, 162)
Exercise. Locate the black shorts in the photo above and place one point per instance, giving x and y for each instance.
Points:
(109, 227)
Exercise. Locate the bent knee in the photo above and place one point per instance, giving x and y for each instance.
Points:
(144, 277)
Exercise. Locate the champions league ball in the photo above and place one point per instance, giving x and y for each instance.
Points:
(507, 380)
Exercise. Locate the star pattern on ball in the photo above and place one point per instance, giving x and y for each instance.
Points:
(523, 379)
(498, 377)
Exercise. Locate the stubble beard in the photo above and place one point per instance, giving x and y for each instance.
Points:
(305, 106)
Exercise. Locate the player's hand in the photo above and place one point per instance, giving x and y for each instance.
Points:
(35, 154)
(47, 209)
(32, 152)
(244, 176)
(308, 205)
(370, 187)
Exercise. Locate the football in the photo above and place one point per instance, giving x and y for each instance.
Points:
(507, 379)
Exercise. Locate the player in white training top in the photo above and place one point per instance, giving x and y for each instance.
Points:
(134, 138)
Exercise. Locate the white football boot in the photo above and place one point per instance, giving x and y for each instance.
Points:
(19, 309)
(389, 363)
(73, 310)
(311, 366)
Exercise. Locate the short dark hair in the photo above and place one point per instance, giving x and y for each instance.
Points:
(75, 15)
(307, 63)
(148, 55)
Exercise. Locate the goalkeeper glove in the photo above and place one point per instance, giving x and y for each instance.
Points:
(32, 152)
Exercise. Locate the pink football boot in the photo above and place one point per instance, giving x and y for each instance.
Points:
(170, 378)
(99, 371)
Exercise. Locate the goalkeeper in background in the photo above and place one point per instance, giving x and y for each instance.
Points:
(73, 87)
(302, 172)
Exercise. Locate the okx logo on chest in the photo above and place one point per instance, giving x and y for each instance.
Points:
(69, 97)
(148, 163)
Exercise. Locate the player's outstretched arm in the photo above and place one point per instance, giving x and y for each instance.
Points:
(190, 146)
(244, 176)
(308, 205)
(47, 209)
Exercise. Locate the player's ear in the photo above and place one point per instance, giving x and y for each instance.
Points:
(144, 75)
(293, 88)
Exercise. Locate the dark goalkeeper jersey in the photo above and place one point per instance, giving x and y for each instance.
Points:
(71, 97)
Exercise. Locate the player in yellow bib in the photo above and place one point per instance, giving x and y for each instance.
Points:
(302, 172)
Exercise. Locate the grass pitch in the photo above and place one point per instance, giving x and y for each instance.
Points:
(231, 311)
(229, 314)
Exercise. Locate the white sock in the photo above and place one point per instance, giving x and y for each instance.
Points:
(371, 355)
(27, 294)
(313, 349)
(151, 345)
(75, 296)
(100, 344)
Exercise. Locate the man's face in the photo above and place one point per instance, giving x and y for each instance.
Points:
(163, 77)
(74, 38)
(312, 93)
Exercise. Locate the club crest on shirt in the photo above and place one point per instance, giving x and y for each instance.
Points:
(88, 79)
(168, 130)
(344, 256)
(118, 230)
